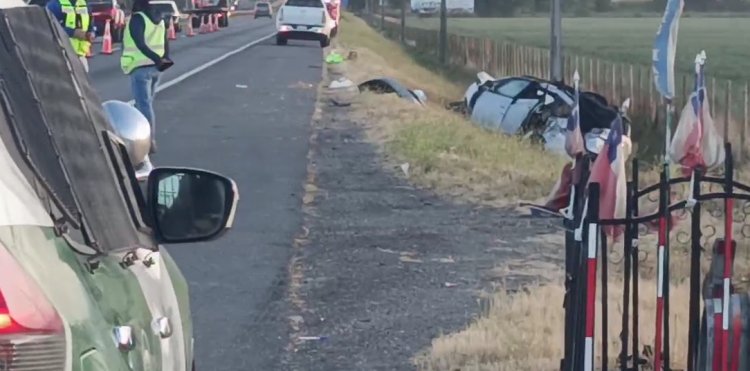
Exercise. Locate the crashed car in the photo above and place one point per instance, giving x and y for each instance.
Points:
(539, 110)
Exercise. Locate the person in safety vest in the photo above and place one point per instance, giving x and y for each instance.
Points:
(75, 17)
(145, 55)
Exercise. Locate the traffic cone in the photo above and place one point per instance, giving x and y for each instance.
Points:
(204, 24)
(215, 25)
(107, 39)
(171, 34)
(190, 32)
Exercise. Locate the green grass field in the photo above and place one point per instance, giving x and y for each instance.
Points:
(725, 40)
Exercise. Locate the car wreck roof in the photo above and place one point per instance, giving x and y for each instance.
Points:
(52, 124)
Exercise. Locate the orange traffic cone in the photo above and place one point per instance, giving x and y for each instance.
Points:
(107, 39)
(190, 32)
(171, 34)
(204, 24)
(215, 25)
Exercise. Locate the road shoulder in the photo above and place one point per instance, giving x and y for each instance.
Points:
(381, 267)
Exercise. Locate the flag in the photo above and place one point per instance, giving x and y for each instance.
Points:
(573, 136)
(696, 143)
(665, 47)
(609, 171)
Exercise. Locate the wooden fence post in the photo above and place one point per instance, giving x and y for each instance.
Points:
(744, 124)
(713, 96)
(727, 110)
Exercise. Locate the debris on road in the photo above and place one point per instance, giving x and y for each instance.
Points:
(386, 85)
(405, 169)
(450, 284)
(409, 259)
(341, 83)
(334, 58)
(313, 338)
(240, 86)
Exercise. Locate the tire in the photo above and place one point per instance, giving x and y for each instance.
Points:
(197, 23)
(280, 40)
(224, 20)
(325, 41)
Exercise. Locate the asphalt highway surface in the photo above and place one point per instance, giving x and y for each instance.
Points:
(246, 116)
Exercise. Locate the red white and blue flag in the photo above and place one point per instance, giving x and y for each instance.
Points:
(573, 136)
(696, 143)
(609, 171)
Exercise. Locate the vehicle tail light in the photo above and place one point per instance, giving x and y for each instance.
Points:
(31, 331)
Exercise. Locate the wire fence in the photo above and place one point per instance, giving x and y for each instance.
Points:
(616, 81)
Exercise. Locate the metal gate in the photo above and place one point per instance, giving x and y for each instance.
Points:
(718, 335)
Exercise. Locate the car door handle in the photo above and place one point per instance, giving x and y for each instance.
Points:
(124, 338)
(163, 327)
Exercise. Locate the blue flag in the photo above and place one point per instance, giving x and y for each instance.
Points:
(665, 47)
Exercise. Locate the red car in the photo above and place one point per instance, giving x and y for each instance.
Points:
(103, 10)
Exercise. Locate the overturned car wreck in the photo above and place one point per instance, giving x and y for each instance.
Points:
(539, 110)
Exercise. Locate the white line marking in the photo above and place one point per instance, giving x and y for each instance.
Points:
(210, 63)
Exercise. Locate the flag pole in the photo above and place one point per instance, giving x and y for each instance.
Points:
(664, 53)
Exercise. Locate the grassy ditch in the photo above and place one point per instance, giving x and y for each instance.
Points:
(445, 151)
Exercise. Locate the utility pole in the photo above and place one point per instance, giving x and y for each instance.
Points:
(555, 51)
(403, 21)
(443, 41)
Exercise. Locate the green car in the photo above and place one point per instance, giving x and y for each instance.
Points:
(84, 282)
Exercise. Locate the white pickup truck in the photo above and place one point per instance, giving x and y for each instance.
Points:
(304, 20)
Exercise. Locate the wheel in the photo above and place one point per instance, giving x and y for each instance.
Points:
(196, 23)
(224, 20)
(325, 41)
(280, 40)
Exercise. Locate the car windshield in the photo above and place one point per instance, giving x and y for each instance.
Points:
(305, 3)
(262, 5)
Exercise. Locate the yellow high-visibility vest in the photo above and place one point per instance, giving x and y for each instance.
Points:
(154, 33)
(77, 17)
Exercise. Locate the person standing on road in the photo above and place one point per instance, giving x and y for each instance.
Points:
(75, 17)
(145, 55)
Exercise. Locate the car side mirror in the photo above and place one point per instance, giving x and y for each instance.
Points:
(190, 205)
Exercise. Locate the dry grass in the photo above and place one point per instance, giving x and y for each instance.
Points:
(444, 151)
(521, 330)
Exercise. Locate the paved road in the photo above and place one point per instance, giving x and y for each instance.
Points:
(259, 136)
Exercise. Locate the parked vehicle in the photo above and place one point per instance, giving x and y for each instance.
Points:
(85, 283)
(104, 10)
(263, 9)
(304, 20)
(539, 110)
(167, 10)
(429, 8)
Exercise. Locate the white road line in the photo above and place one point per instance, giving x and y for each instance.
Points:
(210, 63)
